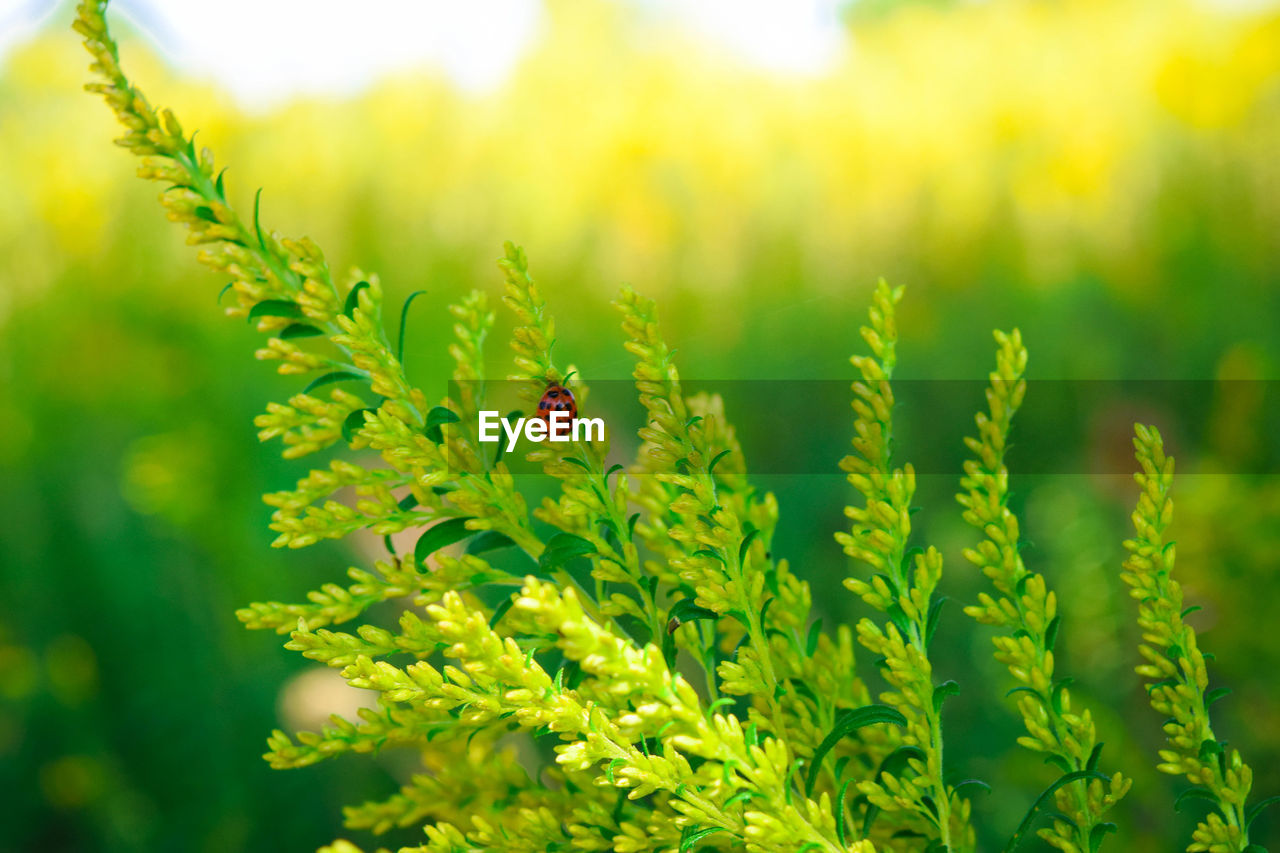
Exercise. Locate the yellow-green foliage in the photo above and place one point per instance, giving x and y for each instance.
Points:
(1027, 609)
(1180, 682)
(692, 700)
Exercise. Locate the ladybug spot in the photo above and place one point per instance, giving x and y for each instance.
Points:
(542, 404)
(553, 393)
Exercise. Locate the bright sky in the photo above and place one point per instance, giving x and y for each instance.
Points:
(283, 47)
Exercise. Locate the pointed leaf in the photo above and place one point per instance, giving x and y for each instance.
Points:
(692, 835)
(1098, 833)
(488, 540)
(404, 314)
(687, 610)
(298, 330)
(811, 641)
(501, 610)
(440, 536)
(333, 378)
(353, 297)
(1195, 792)
(257, 223)
(1094, 755)
(1030, 819)
(1251, 813)
(840, 830)
(354, 423)
(438, 417)
(1051, 633)
(970, 783)
(562, 548)
(276, 308)
(931, 621)
(848, 722)
(746, 545)
(941, 692)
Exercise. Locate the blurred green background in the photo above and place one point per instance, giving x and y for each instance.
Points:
(1103, 175)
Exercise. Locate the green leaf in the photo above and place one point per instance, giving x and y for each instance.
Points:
(353, 297)
(354, 423)
(257, 223)
(941, 692)
(746, 545)
(206, 213)
(1055, 696)
(440, 536)
(811, 641)
(839, 806)
(333, 378)
(848, 722)
(1195, 792)
(609, 473)
(1059, 762)
(501, 610)
(223, 292)
(741, 797)
(488, 540)
(218, 184)
(1030, 819)
(970, 783)
(1209, 748)
(711, 466)
(299, 330)
(1215, 694)
(1051, 633)
(276, 308)
(1094, 755)
(900, 758)
(710, 555)
(1251, 813)
(436, 418)
(688, 610)
(562, 548)
(931, 621)
(898, 617)
(631, 525)
(1098, 833)
(404, 315)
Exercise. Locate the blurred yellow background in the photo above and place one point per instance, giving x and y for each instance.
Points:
(1102, 174)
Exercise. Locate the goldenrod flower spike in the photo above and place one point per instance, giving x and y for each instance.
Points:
(1026, 609)
(902, 587)
(1179, 689)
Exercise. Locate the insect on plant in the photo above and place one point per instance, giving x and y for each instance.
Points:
(635, 631)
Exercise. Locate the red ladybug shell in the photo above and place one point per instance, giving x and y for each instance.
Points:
(557, 398)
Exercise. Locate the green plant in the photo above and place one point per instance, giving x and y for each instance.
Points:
(638, 622)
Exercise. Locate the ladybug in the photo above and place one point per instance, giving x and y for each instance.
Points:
(557, 398)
